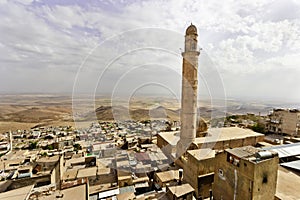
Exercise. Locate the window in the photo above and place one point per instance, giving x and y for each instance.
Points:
(194, 46)
(221, 173)
(265, 178)
(233, 160)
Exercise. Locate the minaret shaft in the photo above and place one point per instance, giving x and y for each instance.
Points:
(189, 95)
(189, 91)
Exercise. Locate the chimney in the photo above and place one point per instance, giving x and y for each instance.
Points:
(180, 176)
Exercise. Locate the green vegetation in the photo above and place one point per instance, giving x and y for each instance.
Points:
(32, 145)
(258, 127)
(44, 154)
(77, 147)
(250, 121)
(50, 147)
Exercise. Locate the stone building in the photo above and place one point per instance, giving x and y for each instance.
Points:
(245, 173)
(163, 178)
(199, 171)
(284, 121)
(178, 192)
(217, 138)
(189, 93)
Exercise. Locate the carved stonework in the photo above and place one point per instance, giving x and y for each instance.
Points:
(189, 90)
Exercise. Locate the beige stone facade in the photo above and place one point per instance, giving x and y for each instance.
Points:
(284, 121)
(217, 138)
(245, 173)
(198, 171)
(179, 192)
(189, 90)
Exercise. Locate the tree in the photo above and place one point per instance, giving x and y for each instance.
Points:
(258, 127)
(32, 145)
(77, 147)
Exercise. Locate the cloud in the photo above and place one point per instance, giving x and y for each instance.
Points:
(240, 37)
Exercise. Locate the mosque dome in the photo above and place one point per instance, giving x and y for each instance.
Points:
(191, 30)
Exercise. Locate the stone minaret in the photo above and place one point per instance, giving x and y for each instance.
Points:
(189, 90)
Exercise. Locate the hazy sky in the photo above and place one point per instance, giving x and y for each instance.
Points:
(251, 48)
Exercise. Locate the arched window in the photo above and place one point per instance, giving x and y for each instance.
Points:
(194, 46)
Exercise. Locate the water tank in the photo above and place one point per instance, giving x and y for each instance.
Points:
(264, 155)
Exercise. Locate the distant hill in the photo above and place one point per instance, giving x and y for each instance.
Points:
(38, 115)
(122, 113)
(111, 113)
(161, 112)
(25, 111)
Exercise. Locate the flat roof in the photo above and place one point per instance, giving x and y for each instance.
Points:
(6, 163)
(293, 165)
(123, 175)
(214, 134)
(123, 163)
(108, 193)
(286, 150)
(157, 156)
(180, 190)
(225, 134)
(127, 195)
(76, 192)
(243, 152)
(167, 176)
(102, 171)
(16, 154)
(287, 185)
(75, 160)
(202, 154)
(265, 144)
(48, 159)
(140, 179)
(20, 193)
(25, 167)
(70, 174)
(171, 137)
(87, 172)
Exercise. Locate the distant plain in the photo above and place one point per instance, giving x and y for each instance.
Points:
(25, 111)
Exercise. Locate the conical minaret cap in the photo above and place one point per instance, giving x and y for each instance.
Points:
(191, 30)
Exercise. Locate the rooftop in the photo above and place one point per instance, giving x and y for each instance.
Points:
(123, 175)
(20, 193)
(202, 154)
(286, 150)
(225, 134)
(168, 175)
(48, 159)
(75, 161)
(171, 137)
(214, 135)
(243, 152)
(87, 172)
(180, 190)
(103, 171)
(77, 192)
(70, 174)
(293, 165)
(287, 185)
(20, 154)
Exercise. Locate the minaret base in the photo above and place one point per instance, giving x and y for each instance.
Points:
(182, 146)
